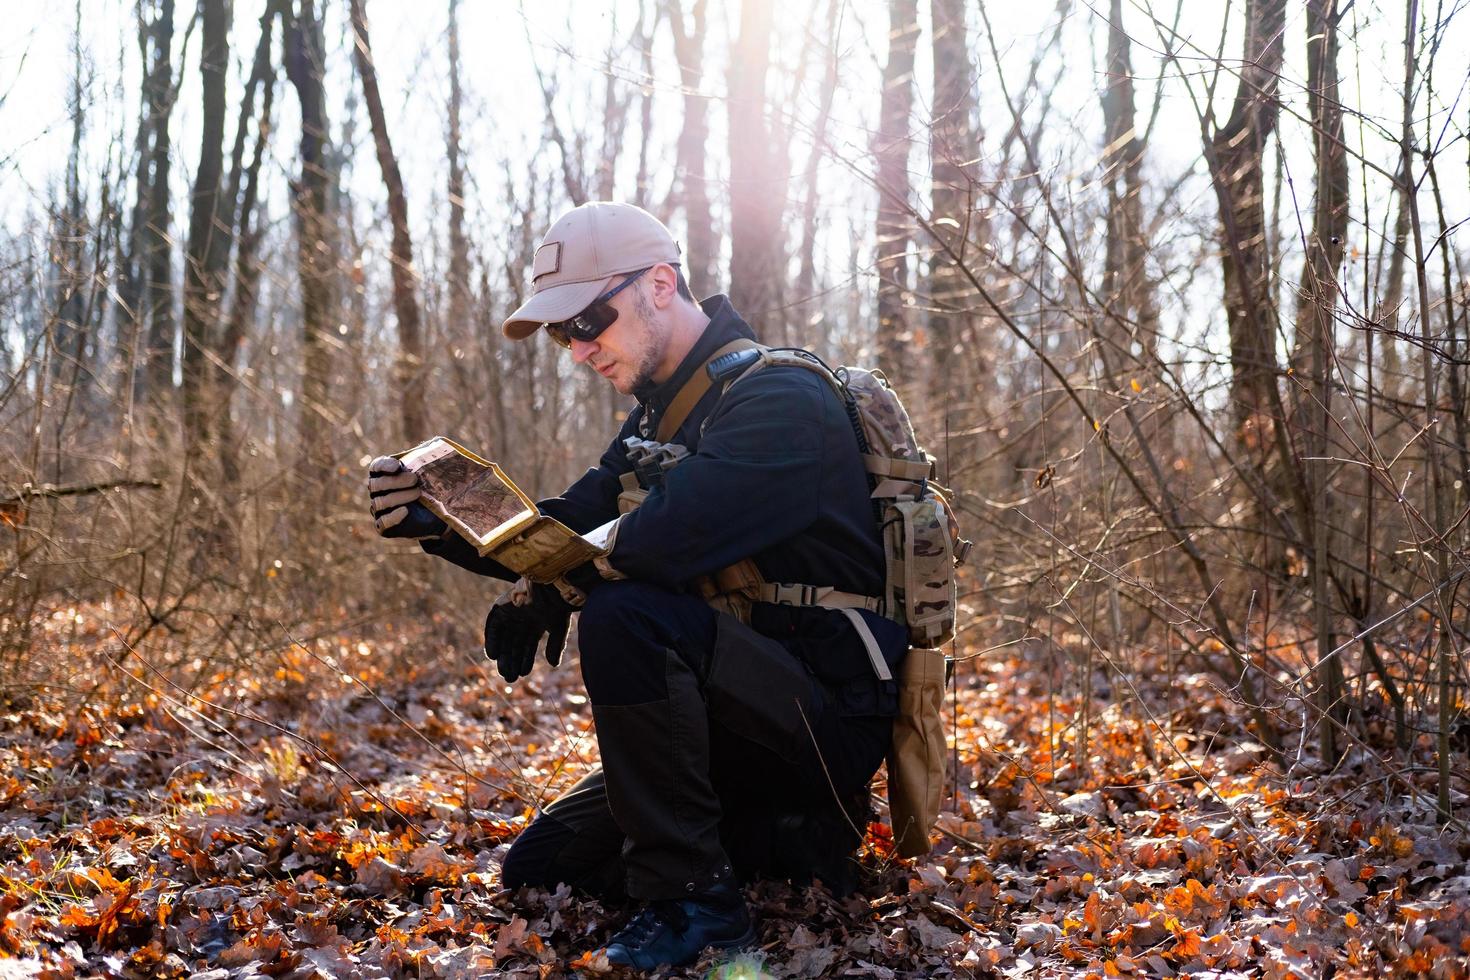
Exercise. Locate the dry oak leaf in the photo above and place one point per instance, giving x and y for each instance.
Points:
(380, 876)
(1193, 897)
(432, 862)
(930, 935)
(467, 961)
(260, 947)
(1043, 935)
(510, 937)
(331, 962)
(592, 961)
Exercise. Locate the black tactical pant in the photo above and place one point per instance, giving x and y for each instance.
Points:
(717, 743)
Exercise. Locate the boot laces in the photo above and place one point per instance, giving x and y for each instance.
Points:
(643, 926)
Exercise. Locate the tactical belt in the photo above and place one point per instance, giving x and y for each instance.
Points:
(783, 594)
(847, 603)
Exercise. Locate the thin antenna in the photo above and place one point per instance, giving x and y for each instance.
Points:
(953, 665)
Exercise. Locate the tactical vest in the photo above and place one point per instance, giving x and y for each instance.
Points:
(921, 545)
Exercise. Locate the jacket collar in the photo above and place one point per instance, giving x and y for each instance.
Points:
(724, 326)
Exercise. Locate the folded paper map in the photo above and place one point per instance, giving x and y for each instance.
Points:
(487, 509)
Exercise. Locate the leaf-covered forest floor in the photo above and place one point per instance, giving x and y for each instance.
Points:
(340, 809)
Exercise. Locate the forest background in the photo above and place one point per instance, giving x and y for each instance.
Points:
(1176, 295)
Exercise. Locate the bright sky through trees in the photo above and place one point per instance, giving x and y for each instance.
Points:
(575, 46)
(571, 43)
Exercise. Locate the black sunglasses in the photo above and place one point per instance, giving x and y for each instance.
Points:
(588, 325)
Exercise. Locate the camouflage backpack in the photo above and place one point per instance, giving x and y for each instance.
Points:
(921, 538)
(922, 547)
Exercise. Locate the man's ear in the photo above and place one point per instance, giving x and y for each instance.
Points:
(665, 285)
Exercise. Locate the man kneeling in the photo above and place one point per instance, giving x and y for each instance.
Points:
(738, 728)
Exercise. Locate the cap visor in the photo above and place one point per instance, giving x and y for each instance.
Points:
(553, 305)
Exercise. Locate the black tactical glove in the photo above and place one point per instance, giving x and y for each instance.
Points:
(393, 497)
(516, 623)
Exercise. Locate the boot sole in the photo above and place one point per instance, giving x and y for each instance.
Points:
(739, 942)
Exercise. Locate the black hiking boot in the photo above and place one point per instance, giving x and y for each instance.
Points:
(674, 932)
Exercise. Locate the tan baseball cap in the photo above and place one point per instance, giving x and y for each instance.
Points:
(585, 254)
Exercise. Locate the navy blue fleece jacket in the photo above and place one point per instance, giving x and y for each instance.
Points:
(774, 475)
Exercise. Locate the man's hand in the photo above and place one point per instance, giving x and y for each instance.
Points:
(393, 496)
(516, 623)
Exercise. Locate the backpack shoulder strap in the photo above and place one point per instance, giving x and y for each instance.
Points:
(693, 390)
(792, 358)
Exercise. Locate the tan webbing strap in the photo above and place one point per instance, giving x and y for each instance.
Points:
(692, 392)
(633, 495)
(899, 469)
(893, 489)
(880, 666)
(826, 597)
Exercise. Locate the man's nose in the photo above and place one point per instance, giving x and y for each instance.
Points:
(582, 349)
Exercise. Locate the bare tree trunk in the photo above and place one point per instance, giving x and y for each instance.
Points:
(1455, 328)
(1386, 314)
(953, 152)
(702, 257)
(891, 147)
(1125, 294)
(1235, 155)
(614, 116)
(806, 279)
(644, 39)
(158, 354)
(248, 229)
(1121, 148)
(1314, 336)
(69, 338)
(1438, 558)
(615, 106)
(209, 230)
(132, 273)
(757, 191)
(574, 178)
(262, 72)
(469, 313)
(315, 239)
(410, 364)
(1129, 297)
(459, 246)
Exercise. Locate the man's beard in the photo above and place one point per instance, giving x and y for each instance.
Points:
(643, 373)
(656, 341)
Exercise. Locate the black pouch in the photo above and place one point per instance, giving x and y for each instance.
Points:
(759, 691)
